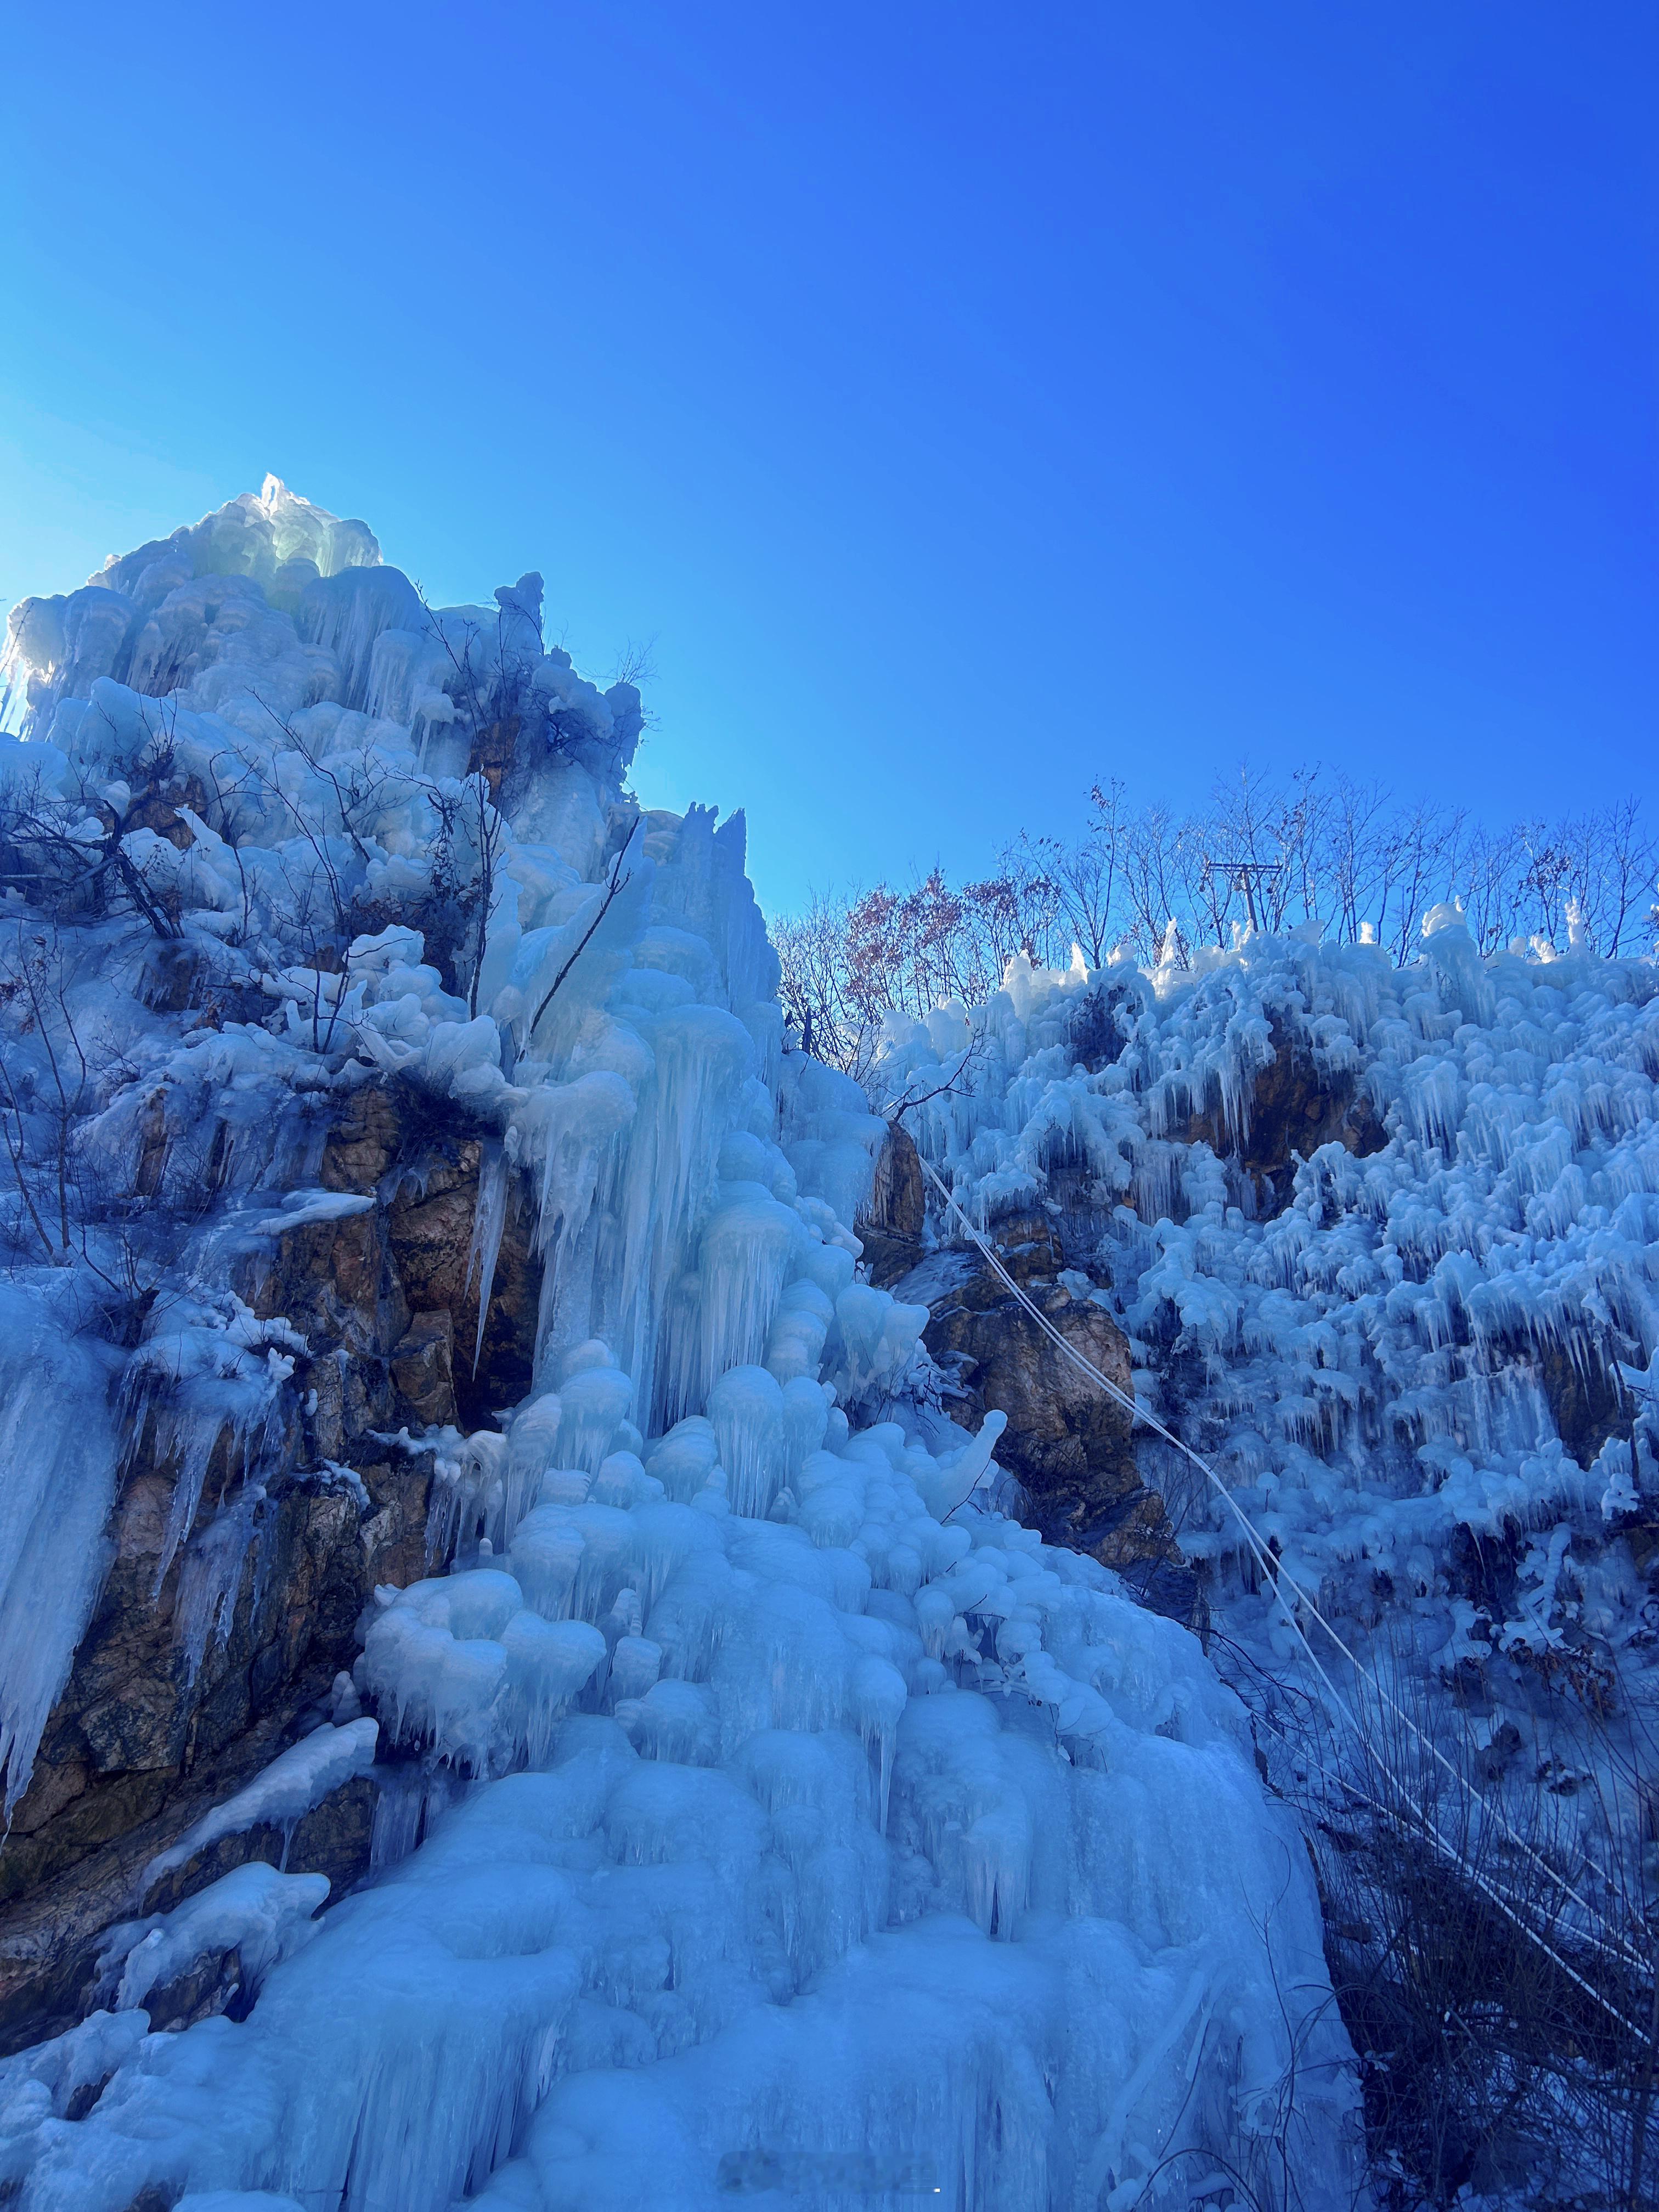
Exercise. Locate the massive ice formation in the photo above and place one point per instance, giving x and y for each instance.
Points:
(782, 1801)
(1386, 1242)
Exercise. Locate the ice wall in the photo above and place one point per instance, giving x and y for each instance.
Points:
(781, 1800)
(1411, 1350)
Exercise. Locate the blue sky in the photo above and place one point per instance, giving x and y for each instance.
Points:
(974, 402)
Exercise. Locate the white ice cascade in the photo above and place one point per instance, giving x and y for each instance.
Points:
(801, 1811)
(1426, 1344)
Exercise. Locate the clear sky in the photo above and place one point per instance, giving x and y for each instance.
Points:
(974, 401)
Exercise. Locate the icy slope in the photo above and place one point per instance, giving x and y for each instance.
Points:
(1399, 1320)
(780, 1800)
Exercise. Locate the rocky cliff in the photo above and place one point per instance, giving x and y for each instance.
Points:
(148, 1736)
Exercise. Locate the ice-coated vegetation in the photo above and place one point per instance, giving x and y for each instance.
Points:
(1385, 1242)
(1378, 1344)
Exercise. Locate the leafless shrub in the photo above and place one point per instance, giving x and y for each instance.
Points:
(637, 662)
(616, 883)
(72, 858)
(1491, 1947)
(62, 1203)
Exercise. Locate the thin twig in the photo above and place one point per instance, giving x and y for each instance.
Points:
(613, 889)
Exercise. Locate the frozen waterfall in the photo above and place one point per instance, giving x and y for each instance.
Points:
(788, 1822)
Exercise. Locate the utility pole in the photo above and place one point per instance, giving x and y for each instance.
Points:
(1243, 876)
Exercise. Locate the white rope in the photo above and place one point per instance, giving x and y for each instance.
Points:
(1276, 1573)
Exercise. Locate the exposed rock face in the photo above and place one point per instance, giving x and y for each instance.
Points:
(1095, 1034)
(137, 1750)
(893, 1224)
(1070, 1446)
(1587, 1402)
(423, 1163)
(1294, 1111)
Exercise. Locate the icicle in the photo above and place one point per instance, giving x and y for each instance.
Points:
(747, 1408)
(58, 1460)
(212, 1578)
(714, 1775)
(489, 1222)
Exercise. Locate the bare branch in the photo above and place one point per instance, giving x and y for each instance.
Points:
(615, 886)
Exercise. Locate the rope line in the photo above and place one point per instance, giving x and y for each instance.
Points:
(1276, 1573)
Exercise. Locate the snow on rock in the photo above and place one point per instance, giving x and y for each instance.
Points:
(782, 1800)
(260, 1914)
(46, 2084)
(296, 1782)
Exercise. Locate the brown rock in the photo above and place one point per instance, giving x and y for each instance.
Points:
(1094, 1037)
(893, 1222)
(424, 1162)
(1293, 1110)
(213, 1985)
(898, 1195)
(1589, 1404)
(135, 1750)
(171, 979)
(423, 1369)
(332, 1839)
(1069, 1445)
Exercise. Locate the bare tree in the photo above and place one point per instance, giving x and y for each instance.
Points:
(637, 662)
(1261, 854)
(1630, 865)
(74, 856)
